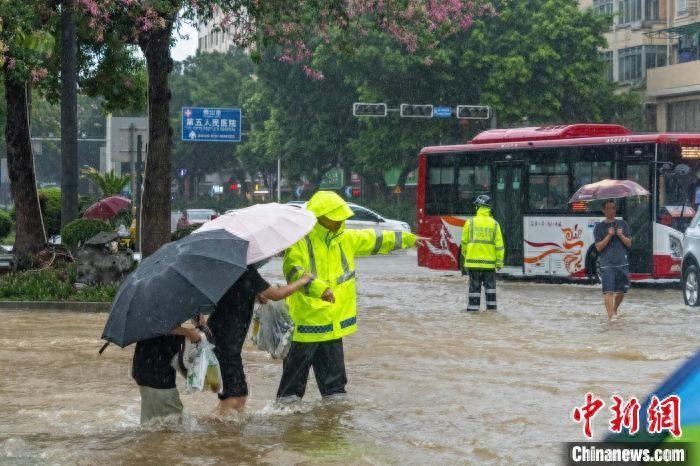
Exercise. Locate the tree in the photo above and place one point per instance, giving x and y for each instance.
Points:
(415, 24)
(26, 34)
(110, 183)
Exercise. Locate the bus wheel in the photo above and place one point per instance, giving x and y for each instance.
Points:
(593, 265)
(691, 286)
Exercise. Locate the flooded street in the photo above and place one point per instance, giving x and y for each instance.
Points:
(428, 384)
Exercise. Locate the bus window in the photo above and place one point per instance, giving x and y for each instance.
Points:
(548, 186)
(440, 196)
(558, 192)
(471, 182)
(677, 199)
(590, 172)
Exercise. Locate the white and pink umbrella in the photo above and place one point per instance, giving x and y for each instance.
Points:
(268, 228)
(608, 189)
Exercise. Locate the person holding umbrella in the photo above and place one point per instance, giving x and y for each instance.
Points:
(326, 311)
(229, 325)
(173, 284)
(269, 229)
(612, 241)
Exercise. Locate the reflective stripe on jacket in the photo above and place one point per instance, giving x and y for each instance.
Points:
(330, 258)
(482, 241)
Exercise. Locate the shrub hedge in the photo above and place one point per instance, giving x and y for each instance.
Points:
(81, 230)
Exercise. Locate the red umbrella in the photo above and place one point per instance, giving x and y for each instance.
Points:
(107, 208)
(608, 189)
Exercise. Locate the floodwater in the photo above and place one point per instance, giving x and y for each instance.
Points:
(428, 384)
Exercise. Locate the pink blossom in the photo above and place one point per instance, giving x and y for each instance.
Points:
(38, 74)
(427, 61)
(313, 74)
(90, 6)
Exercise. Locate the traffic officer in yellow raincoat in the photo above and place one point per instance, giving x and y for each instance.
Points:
(325, 310)
(482, 253)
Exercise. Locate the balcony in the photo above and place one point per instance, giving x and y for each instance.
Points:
(674, 80)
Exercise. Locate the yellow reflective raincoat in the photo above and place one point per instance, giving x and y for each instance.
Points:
(482, 241)
(330, 257)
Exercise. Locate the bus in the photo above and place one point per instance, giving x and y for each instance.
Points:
(531, 173)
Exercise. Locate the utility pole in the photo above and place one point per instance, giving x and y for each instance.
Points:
(69, 115)
(139, 181)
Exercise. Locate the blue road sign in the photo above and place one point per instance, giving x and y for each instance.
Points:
(442, 112)
(207, 124)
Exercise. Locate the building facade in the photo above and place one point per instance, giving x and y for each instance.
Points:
(213, 38)
(653, 48)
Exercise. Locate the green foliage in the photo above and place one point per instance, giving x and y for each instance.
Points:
(81, 230)
(182, 232)
(110, 183)
(53, 284)
(96, 293)
(5, 224)
(50, 201)
(84, 202)
(36, 285)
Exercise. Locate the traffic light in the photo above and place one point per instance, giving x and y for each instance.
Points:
(369, 109)
(416, 111)
(473, 112)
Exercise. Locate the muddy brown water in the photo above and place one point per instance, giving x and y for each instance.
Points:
(428, 384)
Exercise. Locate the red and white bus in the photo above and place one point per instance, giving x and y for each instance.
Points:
(531, 173)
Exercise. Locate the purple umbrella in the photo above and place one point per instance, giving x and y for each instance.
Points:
(608, 189)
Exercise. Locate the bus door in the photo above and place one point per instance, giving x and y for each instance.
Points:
(508, 209)
(637, 213)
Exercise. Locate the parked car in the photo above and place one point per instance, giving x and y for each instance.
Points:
(195, 217)
(366, 218)
(690, 267)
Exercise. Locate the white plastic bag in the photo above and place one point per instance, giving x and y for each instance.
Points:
(202, 366)
(273, 328)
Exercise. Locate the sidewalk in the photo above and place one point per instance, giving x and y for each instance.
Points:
(61, 306)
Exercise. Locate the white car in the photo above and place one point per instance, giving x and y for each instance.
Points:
(366, 218)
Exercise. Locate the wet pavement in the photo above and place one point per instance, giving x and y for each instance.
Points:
(428, 384)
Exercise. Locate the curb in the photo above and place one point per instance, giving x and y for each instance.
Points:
(63, 306)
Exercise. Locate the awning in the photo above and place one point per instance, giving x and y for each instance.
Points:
(675, 32)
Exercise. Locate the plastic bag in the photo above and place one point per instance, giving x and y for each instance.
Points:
(273, 328)
(201, 365)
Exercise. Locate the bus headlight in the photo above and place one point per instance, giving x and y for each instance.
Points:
(676, 246)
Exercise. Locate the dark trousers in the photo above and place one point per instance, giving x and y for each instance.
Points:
(229, 329)
(477, 279)
(325, 357)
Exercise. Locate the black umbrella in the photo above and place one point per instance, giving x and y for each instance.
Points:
(173, 284)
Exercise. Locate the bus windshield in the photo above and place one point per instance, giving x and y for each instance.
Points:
(679, 196)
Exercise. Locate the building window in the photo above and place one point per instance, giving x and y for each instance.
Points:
(651, 10)
(201, 43)
(630, 64)
(688, 49)
(603, 7)
(681, 7)
(655, 56)
(607, 59)
(684, 116)
(629, 11)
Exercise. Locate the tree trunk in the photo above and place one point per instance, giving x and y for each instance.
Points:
(29, 230)
(69, 116)
(156, 194)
